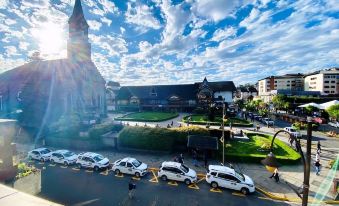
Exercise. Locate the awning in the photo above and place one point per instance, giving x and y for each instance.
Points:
(328, 104)
(202, 142)
(310, 104)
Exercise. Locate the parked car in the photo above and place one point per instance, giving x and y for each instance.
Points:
(319, 120)
(292, 131)
(334, 124)
(268, 121)
(177, 171)
(65, 157)
(257, 117)
(42, 154)
(131, 166)
(92, 160)
(222, 176)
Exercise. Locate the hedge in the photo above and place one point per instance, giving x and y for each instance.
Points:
(236, 122)
(283, 153)
(165, 139)
(99, 129)
(148, 116)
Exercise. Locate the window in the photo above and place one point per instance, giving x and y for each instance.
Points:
(332, 86)
(184, 168)
(326, 81)
(136, 163)
(227, 177)
(129, 164)
(332, 81)
(35, 153)
(214, 174)
(327, 92)
(332, 91)
(98, 158)
(122, 164)
(326, 87)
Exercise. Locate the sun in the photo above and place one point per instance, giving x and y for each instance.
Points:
(50, 39)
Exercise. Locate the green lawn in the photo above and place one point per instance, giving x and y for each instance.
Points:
(257, 147)
(148, 116)
(203, 120)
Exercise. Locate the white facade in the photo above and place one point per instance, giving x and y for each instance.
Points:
(289, 83)
(326, 81)
(226, 95)
(264, 87)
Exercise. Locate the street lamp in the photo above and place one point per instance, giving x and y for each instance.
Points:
(271, 162)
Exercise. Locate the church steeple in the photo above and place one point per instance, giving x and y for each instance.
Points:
(78, 47)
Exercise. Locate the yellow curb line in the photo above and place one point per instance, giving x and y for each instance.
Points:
(193, 186)
(119, 175)
(216, 190)
(63, 167)
(173, 183)
(104, 173)
(90, 171)
(268, 194)
(154, 179)
(75, 169)
(136, 178)
(238, 194)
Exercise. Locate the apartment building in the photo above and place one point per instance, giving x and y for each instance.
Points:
(325, 81)
(291, 82)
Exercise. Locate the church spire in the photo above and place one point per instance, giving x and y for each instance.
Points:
(78, 46)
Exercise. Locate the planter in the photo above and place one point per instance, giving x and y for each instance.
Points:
(30, 184)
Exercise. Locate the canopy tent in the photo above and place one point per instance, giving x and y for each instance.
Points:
(310, 104)
(328, 104)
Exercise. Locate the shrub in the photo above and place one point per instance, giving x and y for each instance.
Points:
(203, 120)
(24, 170)
(166, 139)
(148, 116)
(99, 129)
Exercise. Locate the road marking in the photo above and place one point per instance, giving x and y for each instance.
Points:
(52, 165)
(173, 183)
(63, 167)
(154, 179)
(119, 175)
(89, 171)
(238, 194)
(104, 173)
(193, 186)
(76, 168)
(264, 198)
(136, 178)
(216, 190)
(201, 179)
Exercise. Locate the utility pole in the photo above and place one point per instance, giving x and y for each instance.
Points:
(306, 184)
(223, 133)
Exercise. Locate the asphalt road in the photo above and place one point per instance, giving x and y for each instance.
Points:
(80, 187)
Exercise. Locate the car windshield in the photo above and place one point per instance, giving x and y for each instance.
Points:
(69, 154)
(98, 158)
(45, 151)
(292, 130)
(239, 175)
(184, 168)
(136, 163)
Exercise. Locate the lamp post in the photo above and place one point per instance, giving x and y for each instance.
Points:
(223, 133)
(271, 161)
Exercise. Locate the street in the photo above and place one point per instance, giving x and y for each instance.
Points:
(69, 186)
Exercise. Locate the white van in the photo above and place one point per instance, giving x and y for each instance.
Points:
(222, 176)
(177, 171)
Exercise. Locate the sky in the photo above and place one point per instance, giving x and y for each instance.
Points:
(177, 41)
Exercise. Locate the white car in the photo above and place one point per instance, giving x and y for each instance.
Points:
(65, 157)
(334, 124)
(42, 154)
(131, 166)
(92, 160)
(268, 121)
(222, 176)
(177, 171)
(292, 131)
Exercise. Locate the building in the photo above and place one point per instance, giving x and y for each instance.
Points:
(112, 89)
(8, 168)
(292, 82)
(265, 85)
(324, 81)
(46, 90)
(179, 98)
(246, 93)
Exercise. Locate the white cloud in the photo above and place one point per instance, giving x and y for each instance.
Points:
(94, 25)
(122, 30)
(106, 21)
(221, 34)
(142, 16)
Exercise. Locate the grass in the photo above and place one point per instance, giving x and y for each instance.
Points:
(257, 148)
(148, 116)
(203, 120)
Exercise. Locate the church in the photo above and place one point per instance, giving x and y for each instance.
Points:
(43, 91)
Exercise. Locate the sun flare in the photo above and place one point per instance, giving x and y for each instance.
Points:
(50, 39)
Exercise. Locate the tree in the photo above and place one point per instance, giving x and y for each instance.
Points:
(35, 56)
(279, 101)
(333, 111)
(310, 109)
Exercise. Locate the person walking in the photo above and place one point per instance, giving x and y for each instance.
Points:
(205, 161)
(318, 147)
(195, 158)
(317, 156)
(275, 175)
(181, 159)
(258, 127)
(317, 167)
(131, 188)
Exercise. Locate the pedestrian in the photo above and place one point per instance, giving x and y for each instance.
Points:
(131, 188)
(168, 126)
(205, 161)
(317, 167)
(230, 125)
(181, 159)
(258, 127)
(275, 175)
(195, 158)
(172, 123)
(176, 159)
(317, 156)
(318, 147)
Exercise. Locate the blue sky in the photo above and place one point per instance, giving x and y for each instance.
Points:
(165, 42)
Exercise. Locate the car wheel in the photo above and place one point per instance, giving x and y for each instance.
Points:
(65, 163)
(137, 174)
(117, 171)
(164, 178)
(214, 185)
(244, 191)
(96, 168)
(187, 181)
(52, 161)
(79, 165)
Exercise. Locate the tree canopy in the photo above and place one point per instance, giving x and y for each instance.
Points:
(333, 111)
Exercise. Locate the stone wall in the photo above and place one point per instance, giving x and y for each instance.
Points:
(30, 184)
